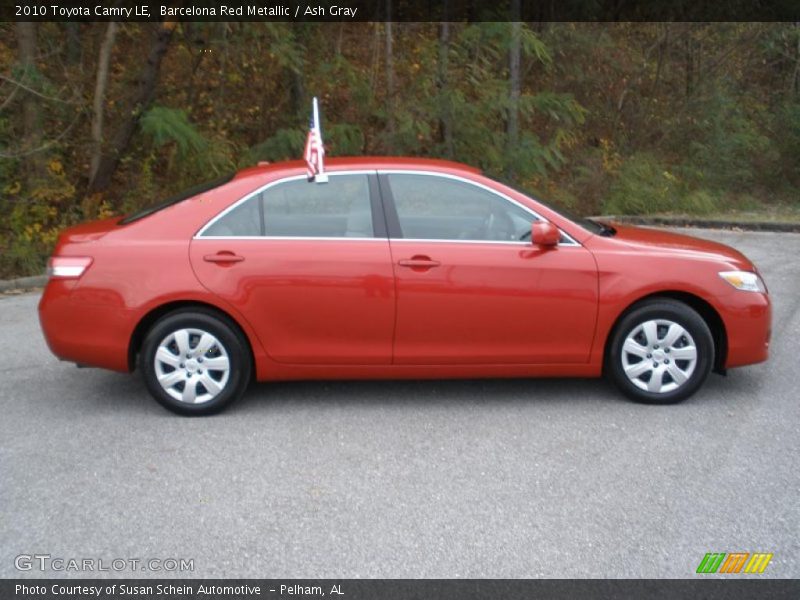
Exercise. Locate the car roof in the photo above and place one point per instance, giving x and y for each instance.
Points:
(364, 162)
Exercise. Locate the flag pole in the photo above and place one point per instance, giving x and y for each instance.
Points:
(320, 177)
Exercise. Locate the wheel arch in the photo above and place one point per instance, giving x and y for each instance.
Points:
(156, 313)
(708, 313)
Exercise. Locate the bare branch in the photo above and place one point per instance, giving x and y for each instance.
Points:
(8, 100)
(47, 145)
(19, 84)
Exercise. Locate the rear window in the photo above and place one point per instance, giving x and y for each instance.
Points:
(180, 197)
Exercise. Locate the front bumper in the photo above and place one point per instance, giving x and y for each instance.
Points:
(748, 324)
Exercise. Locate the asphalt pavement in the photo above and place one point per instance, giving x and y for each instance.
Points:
(504, 478)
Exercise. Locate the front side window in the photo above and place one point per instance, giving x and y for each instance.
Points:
(432, 207)
(298, 208)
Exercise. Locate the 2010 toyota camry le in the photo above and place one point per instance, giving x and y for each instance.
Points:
(394, 268)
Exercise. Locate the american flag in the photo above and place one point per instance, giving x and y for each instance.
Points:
(315, 150)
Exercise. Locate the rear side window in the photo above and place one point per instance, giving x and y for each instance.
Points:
(298, 208)
(243, 220)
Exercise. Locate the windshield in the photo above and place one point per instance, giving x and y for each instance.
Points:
(588, 224)
(180, 197)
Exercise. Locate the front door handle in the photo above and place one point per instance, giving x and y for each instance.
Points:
(223, 257)
(419, 262)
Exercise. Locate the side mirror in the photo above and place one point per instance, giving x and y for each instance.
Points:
(544, 233)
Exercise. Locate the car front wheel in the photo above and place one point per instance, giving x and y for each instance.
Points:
(661, 352)
(195, 363)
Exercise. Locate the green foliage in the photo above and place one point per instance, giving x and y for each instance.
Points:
(728, 146)
(31, 222)
(533, 46)
(344, 139)
(699, 202)
(146, 189)
(341, 139)
(285, 48)
(612, 117)
(8, 167)
(644, 185)
(479, 106)
(187, 153)
(170, 125)
(787, 133)
(285, 144)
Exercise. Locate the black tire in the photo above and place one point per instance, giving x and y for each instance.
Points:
(230, 344)
(663, 311)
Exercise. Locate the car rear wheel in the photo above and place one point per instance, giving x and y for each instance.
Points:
(661, 352)
(195, 363)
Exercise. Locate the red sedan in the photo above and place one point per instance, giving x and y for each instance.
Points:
(395, 268)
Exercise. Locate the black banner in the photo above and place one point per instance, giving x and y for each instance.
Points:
(398, 10)
(399, 589)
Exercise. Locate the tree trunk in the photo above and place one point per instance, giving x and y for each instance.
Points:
(297, 92)
(142, 97)
(389, 76)
(339, 39)
(794, 86)
(31, 114)
(443, 85)
(663, 47)
(103, 62)
(689, 61)
(512, 122)
(73, 42)
(295, 78)
(376, 58)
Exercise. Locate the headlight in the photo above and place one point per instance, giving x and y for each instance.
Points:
(744, 280)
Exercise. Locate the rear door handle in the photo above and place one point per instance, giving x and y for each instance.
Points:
(419, 262)
(223, 257)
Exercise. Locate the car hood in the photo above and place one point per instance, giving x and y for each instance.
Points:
(658, 241)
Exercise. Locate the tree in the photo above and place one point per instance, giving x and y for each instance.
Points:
(103, 60)
(31, 117)
(142, 98)
(443, 87)
(512, 125)
(584, 114)
(390, 91)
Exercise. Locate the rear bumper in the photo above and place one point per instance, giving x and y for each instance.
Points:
(87, 334)
(748, 323)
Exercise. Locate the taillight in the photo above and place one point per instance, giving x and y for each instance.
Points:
(67, 267)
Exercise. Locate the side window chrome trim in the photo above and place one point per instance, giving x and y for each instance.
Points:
(289, 238)
(502, 242)
(570, 240)
(245, 198)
